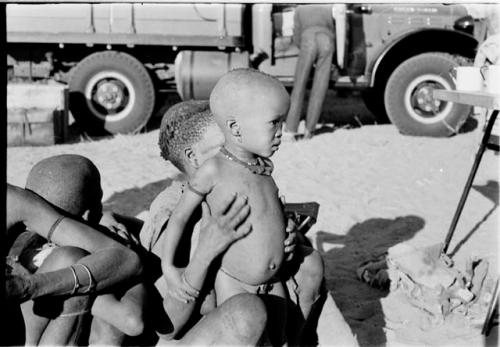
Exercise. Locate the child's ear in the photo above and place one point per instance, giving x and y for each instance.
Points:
(190, 156)
(234, 128)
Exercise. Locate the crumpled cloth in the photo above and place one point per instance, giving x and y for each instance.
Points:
(488, 51)
(431, 282)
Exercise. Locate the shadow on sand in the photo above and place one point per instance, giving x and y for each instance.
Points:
(491, 192)
(133, 201)
(358, 302)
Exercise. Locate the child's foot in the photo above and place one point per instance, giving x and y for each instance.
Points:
(308, 135)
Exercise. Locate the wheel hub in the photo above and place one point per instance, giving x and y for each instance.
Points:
(424, 101)
(419, 100)
(109, 94)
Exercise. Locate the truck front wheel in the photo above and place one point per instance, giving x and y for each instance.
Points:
(111, 92)
(409, 99)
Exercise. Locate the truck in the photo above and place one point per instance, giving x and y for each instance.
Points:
(117, 57)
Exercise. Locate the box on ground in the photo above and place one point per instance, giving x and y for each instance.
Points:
(37, 114)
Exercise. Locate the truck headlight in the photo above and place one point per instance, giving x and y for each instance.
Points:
(465, 24)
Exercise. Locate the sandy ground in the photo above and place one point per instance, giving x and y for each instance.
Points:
(376, 189)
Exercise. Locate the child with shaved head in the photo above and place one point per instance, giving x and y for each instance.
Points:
(249, 107)
(72, 183)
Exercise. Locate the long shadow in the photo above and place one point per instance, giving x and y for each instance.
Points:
(491, 192)
(359, 303)
(135, 200)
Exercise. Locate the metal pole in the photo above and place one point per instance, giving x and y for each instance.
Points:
(472, 174)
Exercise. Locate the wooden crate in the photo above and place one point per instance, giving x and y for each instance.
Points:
(37, 114)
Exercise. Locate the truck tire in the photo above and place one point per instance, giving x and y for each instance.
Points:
(111, 92)
(409, 102)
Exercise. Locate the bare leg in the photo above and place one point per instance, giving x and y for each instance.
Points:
(104, 334)
(275, 301)
(302, 71)
(277, 312)
(321, 80)
(56, 320)
(114, 319)
(240, 320)
(304, 289)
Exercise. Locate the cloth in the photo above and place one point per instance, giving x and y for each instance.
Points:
(431, 282)
(31, 249)
(488, 51)
(43, 253)
(314, 35)
(264, 288)
(159, 213)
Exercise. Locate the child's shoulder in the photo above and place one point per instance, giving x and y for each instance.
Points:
(209, 170)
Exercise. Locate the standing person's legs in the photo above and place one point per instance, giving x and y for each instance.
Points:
(302, 72)
(320, 81)
(57, 320)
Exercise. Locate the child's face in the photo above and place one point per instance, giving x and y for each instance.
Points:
(261, 125)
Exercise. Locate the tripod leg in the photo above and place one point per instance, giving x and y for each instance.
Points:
(470, 179)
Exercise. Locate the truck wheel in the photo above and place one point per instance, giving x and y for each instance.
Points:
(111, 92)
(409, 101)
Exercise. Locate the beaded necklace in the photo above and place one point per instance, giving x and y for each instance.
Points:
(263, 166)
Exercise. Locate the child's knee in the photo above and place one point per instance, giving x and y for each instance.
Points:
(310, 275)
(249, 315)
(133, 325)
(62, 257)
(103, 333)
(314, 265)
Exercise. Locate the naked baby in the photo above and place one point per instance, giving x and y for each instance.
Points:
(249, 106)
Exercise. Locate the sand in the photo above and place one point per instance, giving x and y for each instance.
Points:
(376, 188)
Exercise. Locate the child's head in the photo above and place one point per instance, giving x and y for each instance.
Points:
(70, 182)
(250, 106)
(189, 135)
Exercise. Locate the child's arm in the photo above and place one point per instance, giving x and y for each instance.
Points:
(192, 197)
(219, 229)
(180, 216)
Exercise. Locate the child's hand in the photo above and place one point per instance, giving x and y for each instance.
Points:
(291, 234)
(109, 220)
(177, 286)
(221, 228)
(290, 241)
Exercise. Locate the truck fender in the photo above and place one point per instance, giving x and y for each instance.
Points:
(374, 68)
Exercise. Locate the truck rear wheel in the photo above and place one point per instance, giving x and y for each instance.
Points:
(409, 101)
(111, 92)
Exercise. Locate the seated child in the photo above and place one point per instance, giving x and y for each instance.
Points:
(249, 107)
(72, 183)
(188, 137)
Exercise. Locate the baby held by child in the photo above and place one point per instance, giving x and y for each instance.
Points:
(249, 107)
